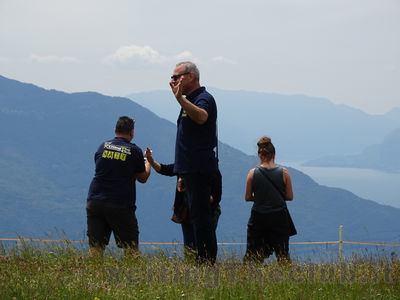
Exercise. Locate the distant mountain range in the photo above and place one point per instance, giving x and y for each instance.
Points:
(384, 156)
(47, 142)
(302, 128)
(393, 114)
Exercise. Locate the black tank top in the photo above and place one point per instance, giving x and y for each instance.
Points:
(267, 198)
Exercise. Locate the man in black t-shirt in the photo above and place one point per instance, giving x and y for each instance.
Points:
(195, 158)
(111, 201)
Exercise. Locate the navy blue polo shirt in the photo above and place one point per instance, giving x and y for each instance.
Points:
(194, 148)
(117, 161)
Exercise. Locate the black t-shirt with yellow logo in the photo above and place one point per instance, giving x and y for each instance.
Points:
(117, 161)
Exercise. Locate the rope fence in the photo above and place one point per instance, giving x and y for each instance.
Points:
(180, 243)
(340, 242)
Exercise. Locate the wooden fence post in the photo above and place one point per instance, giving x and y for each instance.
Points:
(340, 243)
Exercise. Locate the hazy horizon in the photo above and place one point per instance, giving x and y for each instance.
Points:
(344, 51)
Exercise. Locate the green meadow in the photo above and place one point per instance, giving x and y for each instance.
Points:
(61, 271)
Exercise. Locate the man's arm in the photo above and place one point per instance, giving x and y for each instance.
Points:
(167, 170)
(142, 177)
(149, 155)
(197, 114)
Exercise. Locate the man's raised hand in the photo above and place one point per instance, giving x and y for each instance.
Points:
(177, 88)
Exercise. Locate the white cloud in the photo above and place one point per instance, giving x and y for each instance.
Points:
(224, 60)
(127, 54)
(186, 55)
(52, 59)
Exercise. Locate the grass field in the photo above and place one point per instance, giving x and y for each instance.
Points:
(60, 271)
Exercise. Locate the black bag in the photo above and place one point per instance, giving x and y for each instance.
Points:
(181, 213)
(292, 228)
(216, 187)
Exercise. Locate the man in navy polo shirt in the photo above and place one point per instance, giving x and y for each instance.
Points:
(194, 153)
(112, 193)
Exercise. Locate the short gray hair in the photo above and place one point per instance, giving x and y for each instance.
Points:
(190, 67)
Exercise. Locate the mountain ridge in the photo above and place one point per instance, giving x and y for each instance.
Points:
(48, 139)
(383, 156)
(313, 127)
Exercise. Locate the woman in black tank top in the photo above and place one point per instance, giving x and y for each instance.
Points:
(270, 225)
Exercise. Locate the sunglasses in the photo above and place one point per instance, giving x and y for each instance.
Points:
(176, 77)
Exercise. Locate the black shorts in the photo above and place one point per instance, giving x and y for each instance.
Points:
(268, 233)
(102, 219)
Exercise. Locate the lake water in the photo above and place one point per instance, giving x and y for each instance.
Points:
(374, 185)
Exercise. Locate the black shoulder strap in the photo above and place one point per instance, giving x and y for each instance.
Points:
(273, 183)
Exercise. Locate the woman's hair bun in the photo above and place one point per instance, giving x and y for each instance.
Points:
(263, 141)
(266, 148)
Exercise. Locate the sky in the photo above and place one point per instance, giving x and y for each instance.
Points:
(345, 51)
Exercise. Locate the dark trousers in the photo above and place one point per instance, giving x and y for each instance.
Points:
(189, 241)
(188, 236)
(198, 191)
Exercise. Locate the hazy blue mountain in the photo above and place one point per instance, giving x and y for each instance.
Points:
(301, 127)
(47, 142)
(384, 156)
(393, 114)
